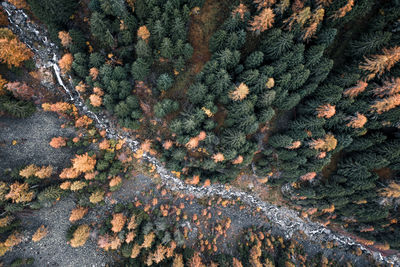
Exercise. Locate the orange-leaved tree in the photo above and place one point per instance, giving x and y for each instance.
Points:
(58, 142)
(80, 236)
(240, 92)
(65, 38)
(263, 21)
(84, 163)
(241, 10)
(66, 62)
(392, 191)
(326, 111)
(12, 51)
(355, 90)
(341, 12)
(19, 3)
(378, 64)
(357, 121)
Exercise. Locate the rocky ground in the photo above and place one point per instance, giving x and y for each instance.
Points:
(26, 141)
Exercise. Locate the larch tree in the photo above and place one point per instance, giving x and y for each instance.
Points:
(357, 121)
(65, 38)
(19, 193)
(84, 163)
(78, 213)
(3, 18)
(12, 51)
(341, 12)
(315, 20)
(378, 64)
(80, 236)
(40, 233)
(300, 18)
(326, 111)
(21, 4)
(389, 88)
(241, 9)
(324, 2)
(240, 92)
(393, 191)
(95, 100)
(3, 82)
(328, 143)
(143, 33)
(263, 21)
(263, 3)
(386, 104)
(118, 221)
(355, 90)
(65, 62)
(57, 142)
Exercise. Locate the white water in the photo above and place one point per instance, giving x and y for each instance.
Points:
(47, 55)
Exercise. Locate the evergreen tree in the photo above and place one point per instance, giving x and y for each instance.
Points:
(140, 69)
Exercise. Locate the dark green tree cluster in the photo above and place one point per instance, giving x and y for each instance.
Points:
(124, 46)
(238, 92)
(366, 156)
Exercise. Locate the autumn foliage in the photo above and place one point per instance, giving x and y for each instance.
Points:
(19, 193)
(12, 51)
(65, 38)
(19, 3)
(392, 191)
(325, 144)
(78, 213)
(80, 236)
(263, 21)
(118, 221)
(3, 18)
(65, 62)
(240, 92)
(378, 64)
(241, 9)
(143, 33)
(40, 233)
(84, 163)
(95, 100)
(20, 90)
(355, 90)
(341, 12)
(58, 142)
(326, 111)
(357, 121)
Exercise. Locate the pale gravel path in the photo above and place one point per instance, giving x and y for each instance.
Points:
(288, 220)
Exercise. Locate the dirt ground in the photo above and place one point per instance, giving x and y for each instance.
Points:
(31, 138)
(53, 249)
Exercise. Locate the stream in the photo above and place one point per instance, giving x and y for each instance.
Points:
(47, 54)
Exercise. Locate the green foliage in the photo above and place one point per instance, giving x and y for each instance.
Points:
(16, 108)
(165, 107)
(55, 13)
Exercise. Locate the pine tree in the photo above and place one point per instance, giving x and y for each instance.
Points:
(140, 69)
(166, 49)
(53, 12)
(164, 82)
